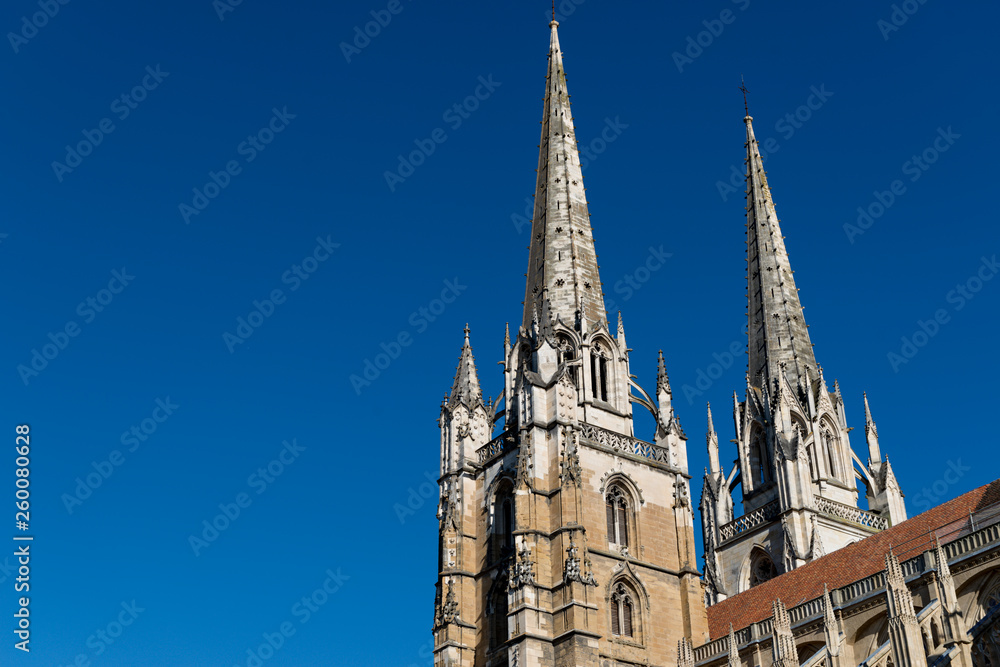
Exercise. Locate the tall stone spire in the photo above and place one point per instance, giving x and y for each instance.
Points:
(779, 339)
(466, 390)
(562, 262)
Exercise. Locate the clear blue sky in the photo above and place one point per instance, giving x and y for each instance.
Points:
(344, 116)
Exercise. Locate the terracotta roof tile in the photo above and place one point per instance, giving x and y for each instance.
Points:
(849, 564)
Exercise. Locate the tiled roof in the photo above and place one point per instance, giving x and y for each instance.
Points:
(847, 565)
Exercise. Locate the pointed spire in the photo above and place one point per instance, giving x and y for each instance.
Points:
(621, 331)
(685, 653)
(829, 620)
(782, 642)
(817, 550)
(871, 435)
(943, 569)
(734, 649)
(466, 390)
(562, 262)
(830, 626)
(777, 327)
(662, 381)
(713, 444)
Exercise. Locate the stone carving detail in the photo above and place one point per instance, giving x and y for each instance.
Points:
(573, 571)
(522, 570)
(570, 464)
(447, 613)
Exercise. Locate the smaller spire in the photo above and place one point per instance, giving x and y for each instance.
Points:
(621, 332)
(782, 641)
(685, 653)
(944, 571)
(871, 435)
(662, 381)
(466, 390)
(713, 444)
(734, 649)
(830, 626)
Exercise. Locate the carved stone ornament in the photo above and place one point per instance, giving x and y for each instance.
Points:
(570, 464)
(573, 571)
(522, 570)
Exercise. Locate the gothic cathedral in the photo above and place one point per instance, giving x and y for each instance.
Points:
(566, 541)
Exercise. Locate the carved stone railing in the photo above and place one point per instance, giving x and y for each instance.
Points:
(852, 514)
(750, 520)
(495, 447)
(626, 444)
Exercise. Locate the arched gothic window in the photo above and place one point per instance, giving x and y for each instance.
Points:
(623, 612)
(761, 569)
(599, 372)
(503, 522)
(829, 447)
(567, 354)
(758, 460)
(618, 515)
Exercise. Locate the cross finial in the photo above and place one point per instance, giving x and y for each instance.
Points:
(743, 87)
(553, 10)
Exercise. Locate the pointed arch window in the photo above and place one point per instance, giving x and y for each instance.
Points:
(829, 449)
(623, 612)
(759, 460)
(599, 372)
(618, 512)
(567, 355)
(504, 523)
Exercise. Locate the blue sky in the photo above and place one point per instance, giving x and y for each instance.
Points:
(247, 163)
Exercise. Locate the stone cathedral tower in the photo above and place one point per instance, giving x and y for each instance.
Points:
(564, 540)
(795, 465)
